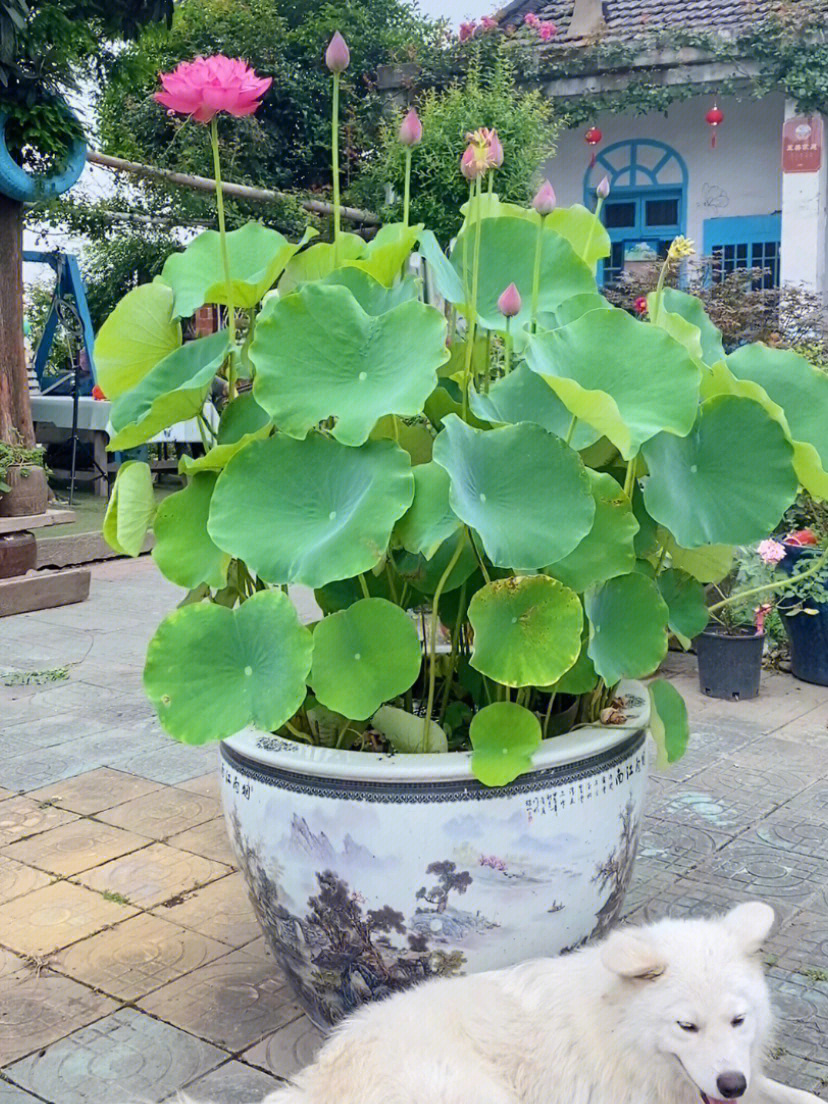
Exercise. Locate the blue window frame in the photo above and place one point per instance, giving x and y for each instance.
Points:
(747, 241)
(648, 198)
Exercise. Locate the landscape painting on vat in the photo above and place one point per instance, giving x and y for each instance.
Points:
(362, 897)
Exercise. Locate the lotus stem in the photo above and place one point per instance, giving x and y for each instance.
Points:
(407, 195)
(536, 274)
(547, 715)
(629, 482)
(478, 557)
(508, 350)
(335, 163)
(570, 433)
(225, 260)
(767, 587)
(661, 557)
(472, 317)
(435, 621)
(598, 208)
(659, 293)
(455, 642)
(364, 586)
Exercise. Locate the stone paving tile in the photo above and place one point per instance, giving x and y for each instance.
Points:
(75, 847)
(210, 840)
(221, 911)
(10, 964)
(767, 873)
(35, 770)
(801, 945)
(805, 1074)
(163, 813)
(21, 817)
(95, 790)
(170, 762)
(802, 1009)
(6, 794)
(155, 874)
(55, 916)
(135, 957)
(694, 896)
(17, 879)
(288, 1050)
(793, 832)
(208, 784)
(232, 1002)
(13, 1094)
(679, 852)
(811, 803)
(232, 1083)
(40, 1007)
(124, 1057)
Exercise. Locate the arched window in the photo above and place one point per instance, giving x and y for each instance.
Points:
(647, 206)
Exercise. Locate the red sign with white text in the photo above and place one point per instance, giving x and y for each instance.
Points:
(802, 145)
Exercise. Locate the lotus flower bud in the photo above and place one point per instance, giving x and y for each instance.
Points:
(495, 150)
(411, 129)
(509, 303)
(469, 165)
(337, 55)
(603, 189)
(545, 199)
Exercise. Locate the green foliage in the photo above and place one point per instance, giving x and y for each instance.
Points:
(486, 97)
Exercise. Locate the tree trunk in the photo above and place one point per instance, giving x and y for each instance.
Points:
(15, 410)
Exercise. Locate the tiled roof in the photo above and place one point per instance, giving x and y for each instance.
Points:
(627, 19)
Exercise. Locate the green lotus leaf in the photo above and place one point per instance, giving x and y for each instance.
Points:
(415, 437)
(647, 539)
(573, 308)
(424, 574)
(455, 367)
(130, 510)
(523, 396)
(608, 549)
(173, 391)
(507, 255)
(372, 296)
(318, 261)
(583, 230)
(310, 511)
(441, 402)
(240, 418)
(627, 379)
(525, 492)
(669, 724)
(692, 310)
(691, 487)
(527, 631)
(430, 521)
(183, 549)
(504, 737)
(138, 334)
(387, 252)
(211, 671)
(446, 279)
(685, 600)
(678, 327)
(256, 254)
(407, 733)
(319, 355)
(627, 627)
(709, 564)
(797, 393)
(363, 656)
(581, 678)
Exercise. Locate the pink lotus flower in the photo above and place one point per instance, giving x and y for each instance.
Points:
(495, 149)
(337, 55)
(206, 86)
(771, 551)
(545, 199)
(411, 129)
(509, 303)
(531, 20)
(467, 30)
(487, 23)
(603, 189)
(481, 154)
(546, 31)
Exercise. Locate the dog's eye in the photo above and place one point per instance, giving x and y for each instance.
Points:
(691, 1027)
(737, 1021)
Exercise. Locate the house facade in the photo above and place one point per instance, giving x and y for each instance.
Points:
(751, 191)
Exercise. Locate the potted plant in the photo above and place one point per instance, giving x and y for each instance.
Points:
(804, 606)
(532, 477)
(23, 486)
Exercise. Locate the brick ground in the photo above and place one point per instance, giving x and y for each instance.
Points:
(130, 961)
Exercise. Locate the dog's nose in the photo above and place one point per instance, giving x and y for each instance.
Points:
(731, 1085)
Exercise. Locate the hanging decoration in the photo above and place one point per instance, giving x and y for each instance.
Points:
(714, 118)
(592, 138)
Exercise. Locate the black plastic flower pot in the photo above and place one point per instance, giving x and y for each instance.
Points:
(730, 665)
(807, 632)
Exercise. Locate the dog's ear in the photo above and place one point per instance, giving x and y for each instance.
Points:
(750, 925)
(632, 954)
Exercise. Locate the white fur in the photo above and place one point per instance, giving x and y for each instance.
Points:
(600, 1026)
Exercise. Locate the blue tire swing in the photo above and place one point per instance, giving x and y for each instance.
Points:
(25, 187)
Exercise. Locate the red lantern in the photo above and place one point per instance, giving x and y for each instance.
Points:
(592, 137)
(714, 118)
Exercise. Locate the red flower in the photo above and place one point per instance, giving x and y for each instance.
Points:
(204, 87)
(801, 538)
(97, 393)
(640, 305)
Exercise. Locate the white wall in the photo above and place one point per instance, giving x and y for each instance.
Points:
(744, 170)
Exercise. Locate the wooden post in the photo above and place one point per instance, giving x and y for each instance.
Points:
(15, 409)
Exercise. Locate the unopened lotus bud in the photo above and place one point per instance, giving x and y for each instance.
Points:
(603, 189)
(545, 199)
(411, 129)
(337, 56)
(509, 303)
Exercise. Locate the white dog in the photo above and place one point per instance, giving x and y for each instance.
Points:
(666, 1014)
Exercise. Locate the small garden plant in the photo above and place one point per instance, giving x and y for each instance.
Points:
(541, 483)
(18, 456)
